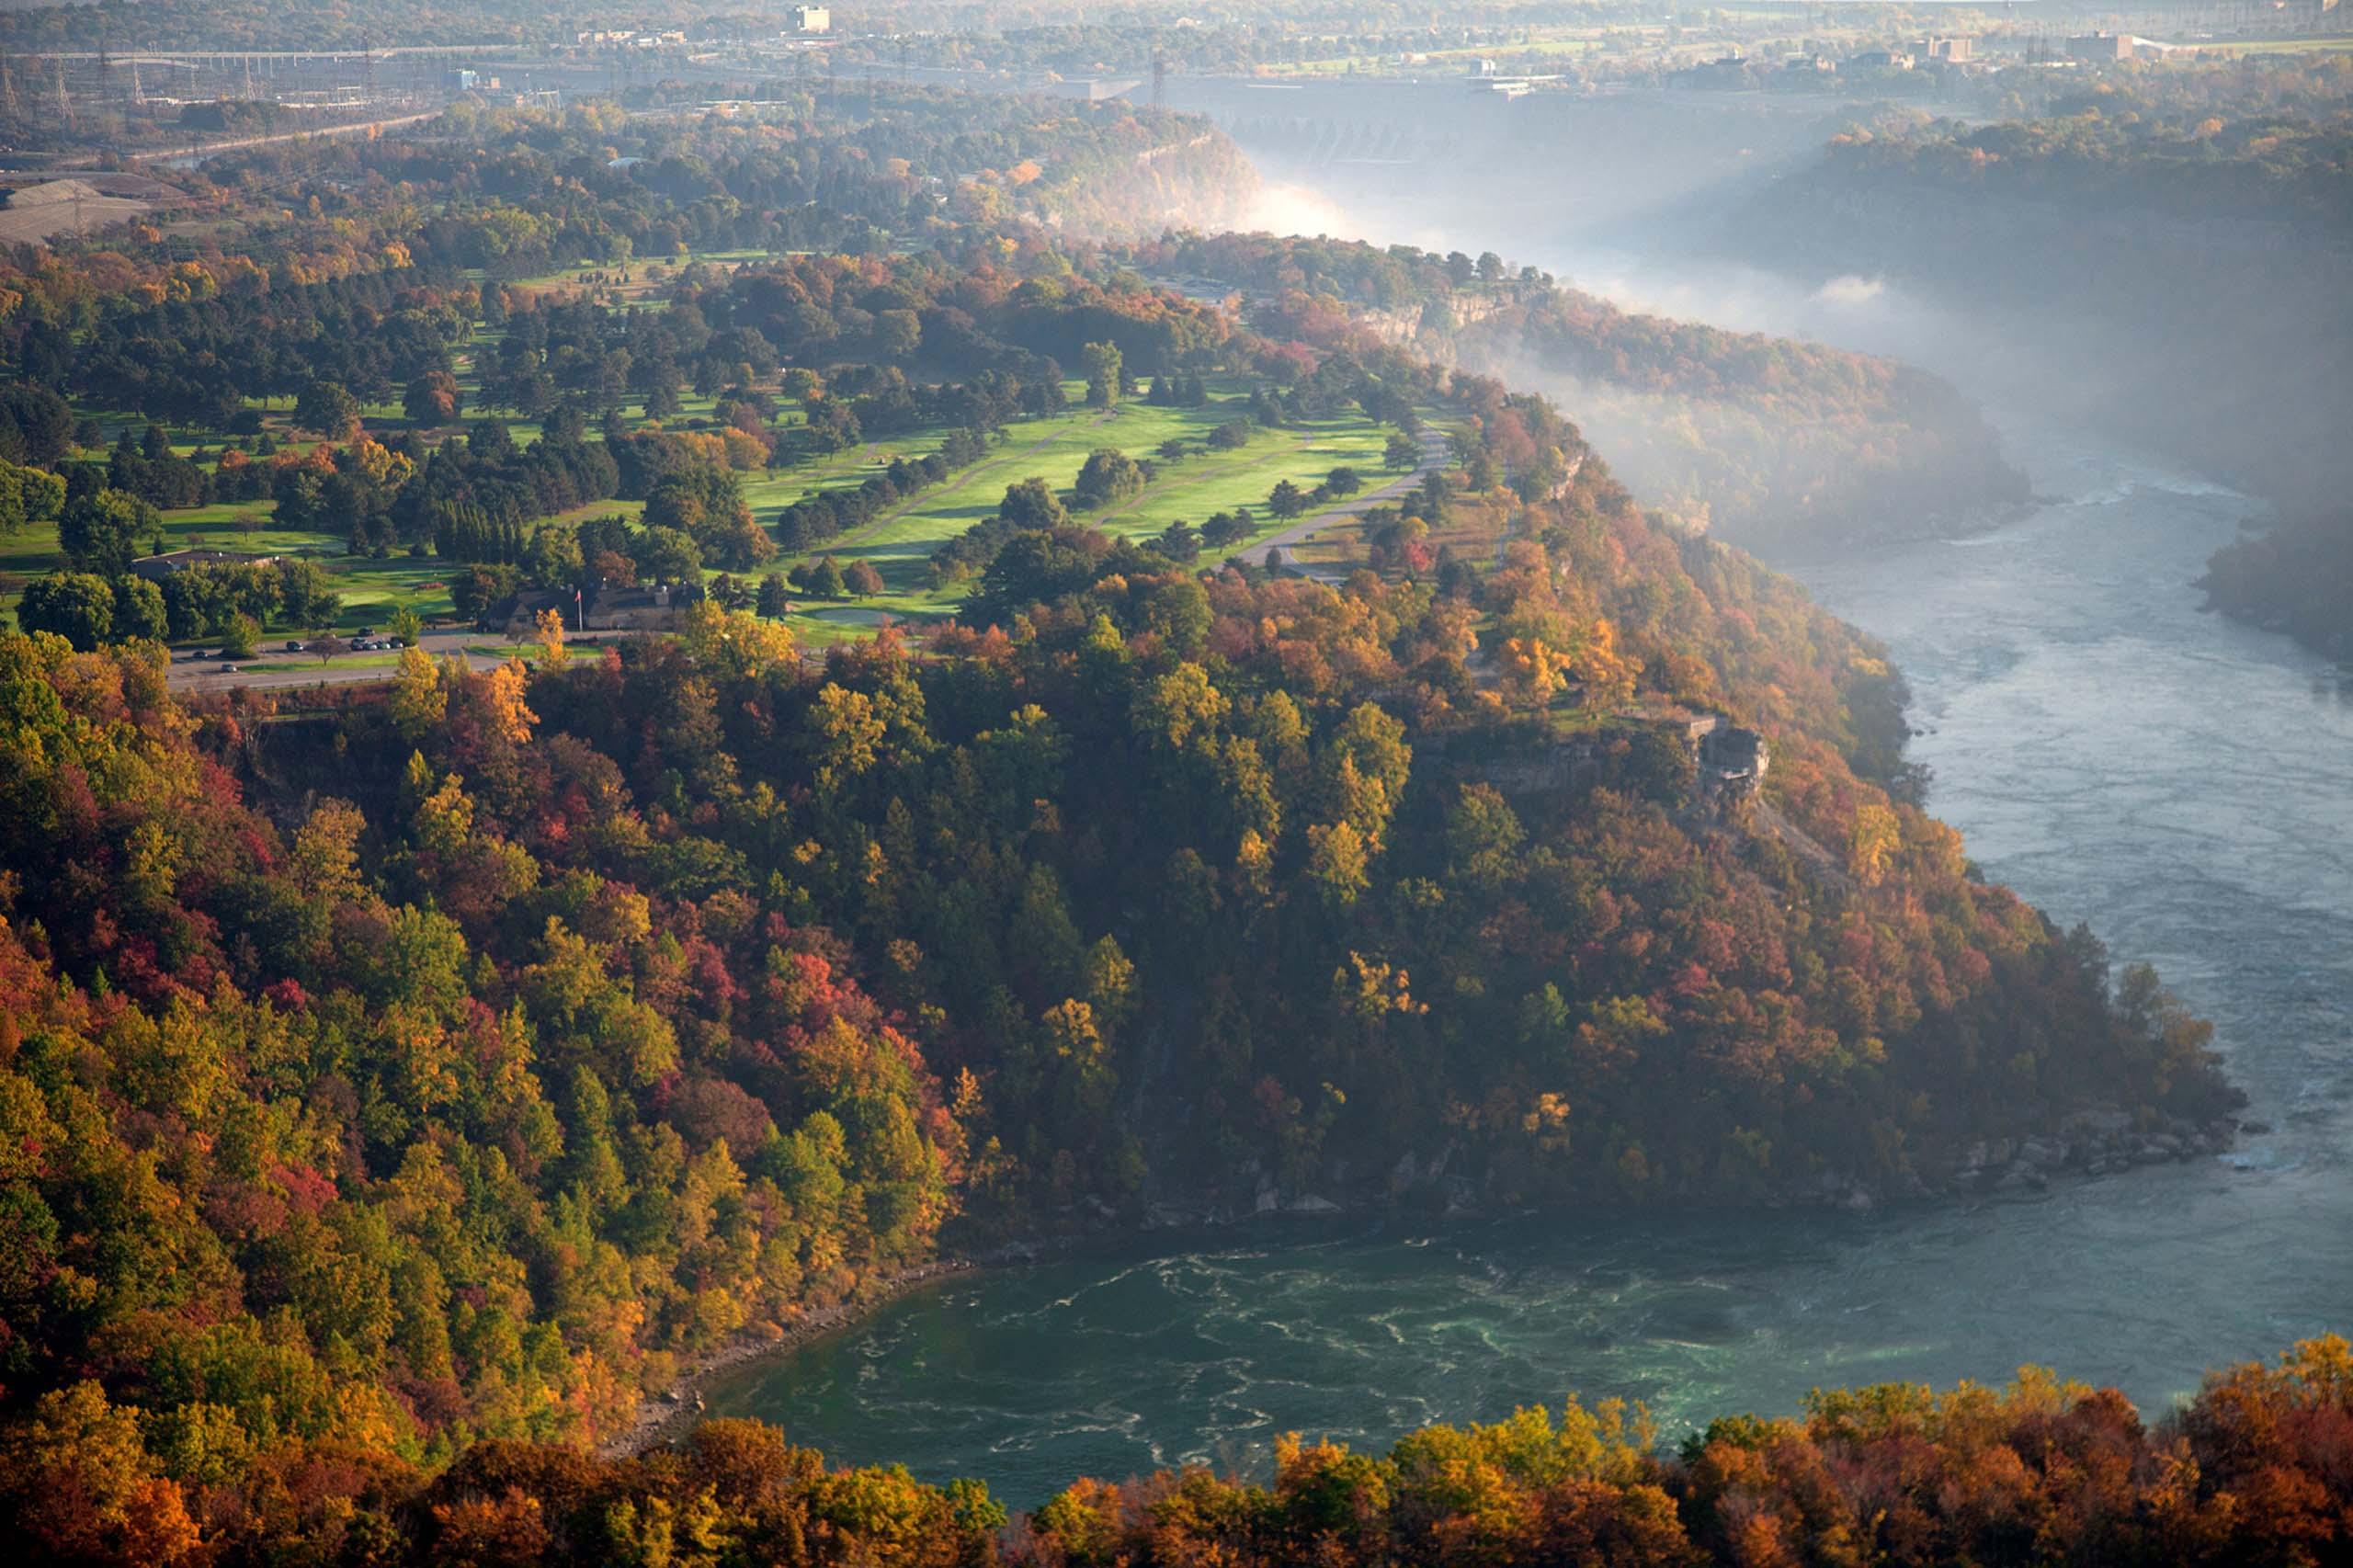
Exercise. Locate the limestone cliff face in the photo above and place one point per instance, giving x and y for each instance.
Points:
(1430, 329)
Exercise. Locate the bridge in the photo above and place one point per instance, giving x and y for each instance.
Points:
(226, 56)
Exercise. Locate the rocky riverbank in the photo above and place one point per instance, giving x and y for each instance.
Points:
(2101, 1141)
(2092, 1143)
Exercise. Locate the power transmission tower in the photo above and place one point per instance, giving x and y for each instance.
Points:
(902, 62)
(368, 68)
(64, 99)
(8, 91)
(1159, 81)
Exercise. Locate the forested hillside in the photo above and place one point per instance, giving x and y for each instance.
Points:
(400, 1081)
(455, 1062)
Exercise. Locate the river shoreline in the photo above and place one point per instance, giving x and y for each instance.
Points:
(667, 1416)
(2095, 1144)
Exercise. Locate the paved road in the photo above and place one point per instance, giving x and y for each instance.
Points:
(1434, 454)
(202, 150)
(286, 669)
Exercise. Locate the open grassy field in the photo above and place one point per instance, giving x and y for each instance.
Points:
(637, 284)
(901, 542)
(371, 589)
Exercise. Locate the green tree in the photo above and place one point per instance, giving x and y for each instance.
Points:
(101, 531)
(28, 496)
(240, 635)
(772, 601)
(1032, 503)
(897, 335)
(139, 610)
(408, 627)
(1180, 541)
(1287, 500)
(1106, 374)
(553, 558)
(1108, 477)
(77, 605)
(327, 408)
(305, 598)
(668, 555)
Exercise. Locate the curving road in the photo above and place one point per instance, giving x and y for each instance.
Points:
(1289, 539)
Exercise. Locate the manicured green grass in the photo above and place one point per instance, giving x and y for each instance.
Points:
(373, 589)
(28, 552)
(825, 625)
(632, 510)
(248, 526)
(901, 542)
(282, 663)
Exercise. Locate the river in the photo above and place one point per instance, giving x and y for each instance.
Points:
(2182, 783)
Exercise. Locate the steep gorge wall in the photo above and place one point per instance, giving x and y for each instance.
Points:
(1796, 467)
(2220, 337)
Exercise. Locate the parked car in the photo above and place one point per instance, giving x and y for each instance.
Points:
(228, 669)
(292, 646)
(201, 653)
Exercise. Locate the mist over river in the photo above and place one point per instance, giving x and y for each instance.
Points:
(2182, 783)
